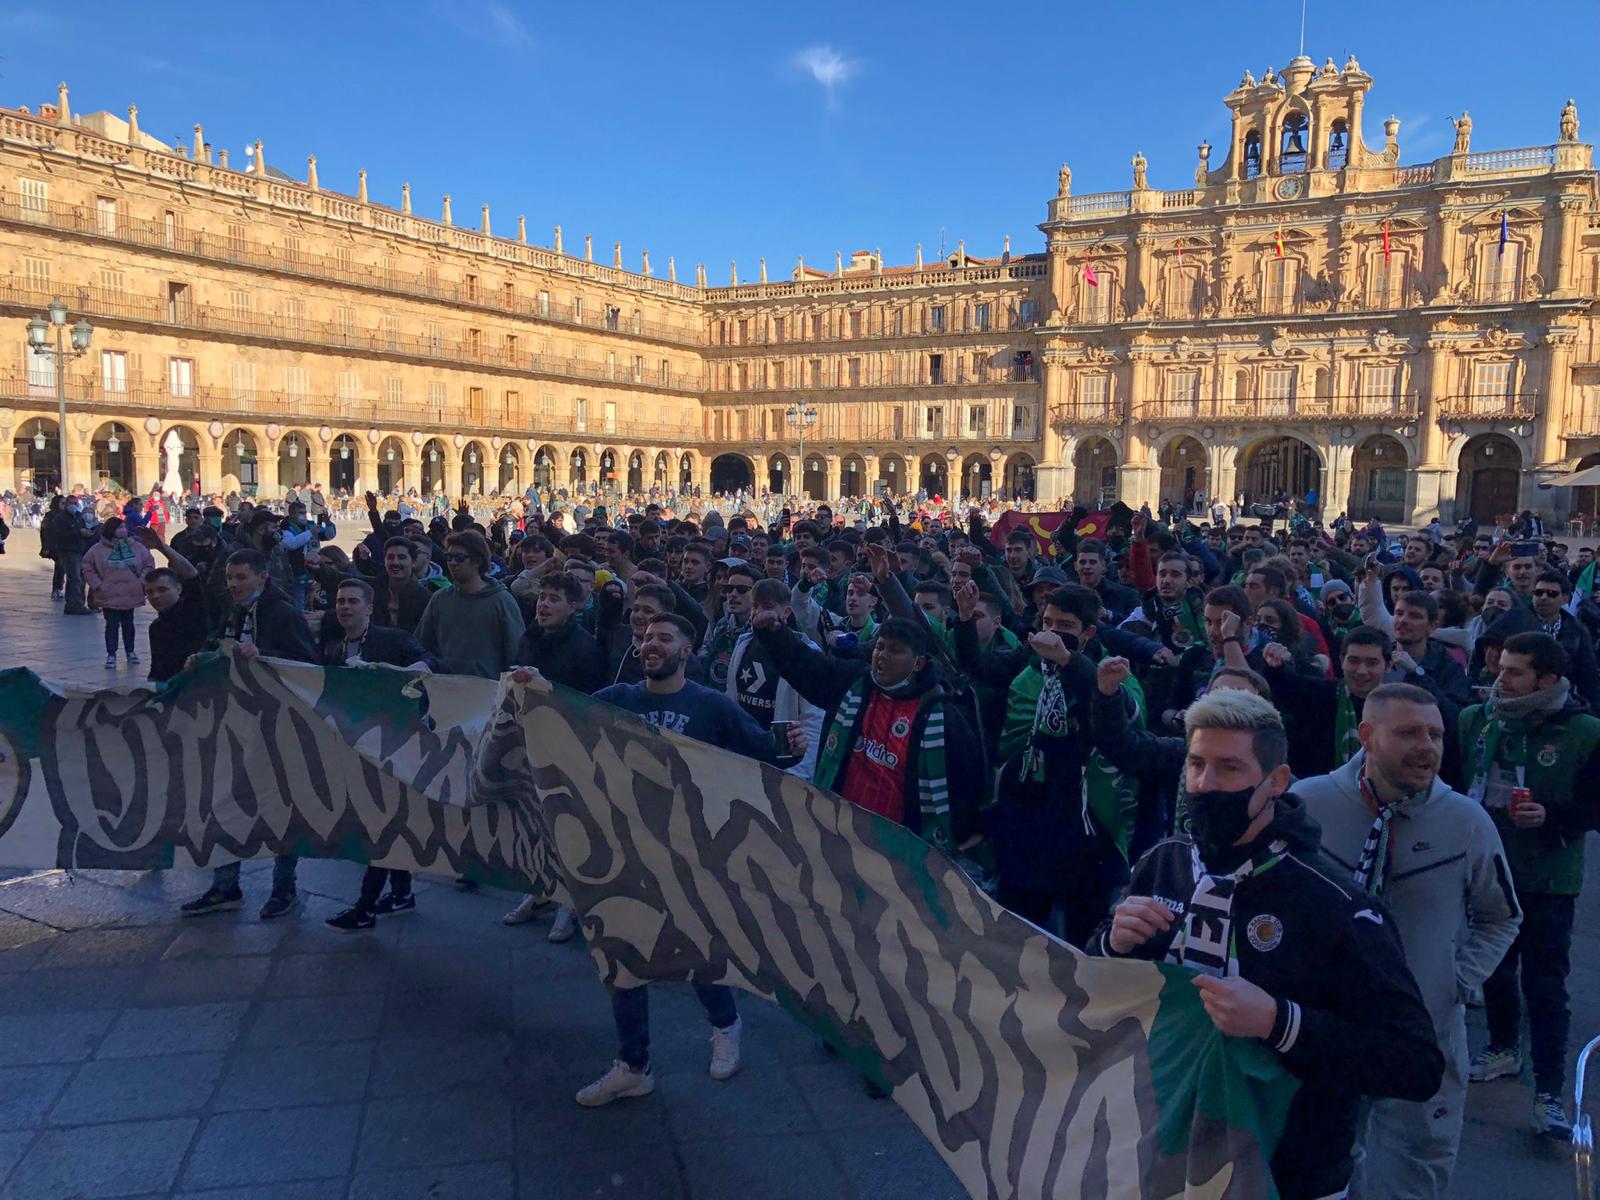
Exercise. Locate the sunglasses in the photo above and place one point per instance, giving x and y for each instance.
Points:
(458, 558)
(1546, 594)
(735, 589)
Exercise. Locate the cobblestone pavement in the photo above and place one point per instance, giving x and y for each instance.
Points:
(224, 1057)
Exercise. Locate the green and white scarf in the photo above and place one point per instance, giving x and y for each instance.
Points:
(1346, 735)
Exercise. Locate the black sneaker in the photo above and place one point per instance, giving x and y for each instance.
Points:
(351, 920)
(278, 904)
(388, 906)
(215, 900)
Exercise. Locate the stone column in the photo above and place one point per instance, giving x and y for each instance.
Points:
(830, 475)
(1060, 299)
(146, 463)
(1556, 356)
(1336, 481)
(210, 460)
(317, 461)
(1433, 382)
(1561, 272)
(1143, 277)
(1053, 401)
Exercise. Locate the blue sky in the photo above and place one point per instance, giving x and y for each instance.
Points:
(716, 131)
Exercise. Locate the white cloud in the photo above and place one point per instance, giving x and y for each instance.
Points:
(506, 27)
(826, 66)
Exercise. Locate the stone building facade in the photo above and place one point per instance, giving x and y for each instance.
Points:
(1309, 316)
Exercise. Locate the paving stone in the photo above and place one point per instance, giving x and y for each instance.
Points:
(775, 1168)
(314, 1189)
(115, 1089)
(613, 1173)
(26, 1094)
(417, 1066)
(894, 1161)
(283, 1076)
(463, 1011)
(44, 990)
(479, 1181)
(837, 1097)
(12, 1144)
(450, 966)
(224, 939)
(316, 1019)
(469, 1124)
(328, 975)
(550, 1121)
(198, 1027)
(50, 1037)
(275, 1145)
(202, 982)
(107, 947)
(756, 1101)
(97, 1161)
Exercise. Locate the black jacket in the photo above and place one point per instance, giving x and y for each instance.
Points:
(570, 656)
(1351, 1022)
(280, 627)
(382, 644)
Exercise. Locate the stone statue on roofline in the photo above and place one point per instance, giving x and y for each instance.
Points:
(1463, 126)
(1139, 168)
(1569, 122)
(1064, 181)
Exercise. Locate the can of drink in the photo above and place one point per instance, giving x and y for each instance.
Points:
(1521, 797)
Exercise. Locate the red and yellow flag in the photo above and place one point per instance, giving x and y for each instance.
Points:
(1386, 241)
(1277, 241)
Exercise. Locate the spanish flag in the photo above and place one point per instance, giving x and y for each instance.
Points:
(1277, 241)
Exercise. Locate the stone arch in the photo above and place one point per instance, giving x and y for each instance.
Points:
(391, 472)
(435, 458)
(933, 475)
(1277, 465)
(545, 459)
(977, 477)
(778, 469)
(241, 462)
(1489, 478)
(579, 466)
(635, 471)
(814, 477)
(474, 468)
(660, 469)
(1585, 500)
(344, 463)
(609, 466)
(686, 466)
(893, 475)
(186, 469)
(1019, 477)
(37, 454)
(1094, 479)
(294, 458)
(1185, 469)
(111, 459)
(1379, 475)
(852, 476)
(508, 481)
(732, 473)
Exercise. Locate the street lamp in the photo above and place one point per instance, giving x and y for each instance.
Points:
(39, 339)
(802, 418)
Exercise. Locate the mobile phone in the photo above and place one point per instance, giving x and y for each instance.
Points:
(1525, 549)
(780, 739)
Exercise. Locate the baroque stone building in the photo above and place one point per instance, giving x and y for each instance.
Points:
(1308, 316)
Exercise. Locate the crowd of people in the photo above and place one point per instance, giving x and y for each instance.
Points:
(1336, 774)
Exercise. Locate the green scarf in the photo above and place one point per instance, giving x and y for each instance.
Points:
(1034, 710)
(1346, 738)
(933, 782)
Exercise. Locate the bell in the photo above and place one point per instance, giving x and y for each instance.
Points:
(1337, 142)
(1297, 142)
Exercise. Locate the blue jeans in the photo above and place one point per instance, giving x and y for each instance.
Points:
(630, 1009)
(226, 878)
(118, 619)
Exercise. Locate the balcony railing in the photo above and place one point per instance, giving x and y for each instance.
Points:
(1271, 409)
(236, 323)
(897, 279)
(988, 378)
(301, 409)
(1086, 412)
(800, 338)
(250, 252)
(1502, 406)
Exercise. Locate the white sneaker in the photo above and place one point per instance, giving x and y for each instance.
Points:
(564, 926)
(621, 1082)
(725, 1050)
(526, 910)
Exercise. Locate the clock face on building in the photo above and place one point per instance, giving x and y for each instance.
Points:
(1289, 189)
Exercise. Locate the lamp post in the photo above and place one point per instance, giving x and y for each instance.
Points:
(801, 417)
(39, 339)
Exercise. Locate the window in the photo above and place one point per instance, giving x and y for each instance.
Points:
(544, 304)
(1098, 298)
(511, 405)
(35, 197)
(111, 281)
(345, 319)
(291, 249)
(342, 261)
(1338, 145)
(235, 239)
(816, 372)
(742, 373)
(1277, 292)
(1022, 365)
(348, 388)
(577, 310)
(611, 364)
(475, 405)
(37, 272)
(105, 216)
(1183, 393)
(582, 414)
(666, 371)
(638, 368)
(935, 368)
(1388, 288)
(613, 316)
(638, 321)
(475, 343)
(1185, 293)
(180, 377)
(611, 416)
(978, 420)
(41, 373)
(1252, 154)
(898, 324)
(113, 371)
(469, 288)
(435, 337)
(855, 324)
(294, 313)
(816, 326)
(438, 396)
(241, 381)
(1501, 272)
(430, 278)
(1277, 391)
(508, 296)
(855, 372)
(936, 318)
(238, 302)
(777, 329)
(1094, 394)
(393, 393)
(1491, 386)
(169, 228)
(933, 422)
(513, 348)
(391, 331)
(297, 383)
(1292, 155)
(1029, 312)
(1378, 389)
(743, 326)
(980, 316)
(1022, 420)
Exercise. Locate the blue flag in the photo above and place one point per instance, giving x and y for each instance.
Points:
(1505, 233)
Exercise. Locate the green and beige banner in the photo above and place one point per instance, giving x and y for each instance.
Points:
(1034, 1070)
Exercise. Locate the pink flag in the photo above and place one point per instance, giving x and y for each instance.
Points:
(1089, 276)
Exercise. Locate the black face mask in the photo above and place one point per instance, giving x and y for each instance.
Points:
(1217, 820)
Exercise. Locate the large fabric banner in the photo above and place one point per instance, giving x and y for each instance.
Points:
(1034, 1070)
